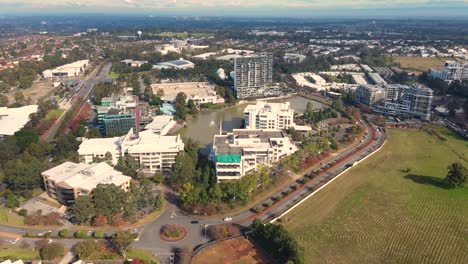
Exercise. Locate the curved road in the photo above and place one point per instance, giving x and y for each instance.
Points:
(149, 234)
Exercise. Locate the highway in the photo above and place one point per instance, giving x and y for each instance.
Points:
(196, 227)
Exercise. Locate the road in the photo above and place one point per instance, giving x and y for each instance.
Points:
(149, 233)
(84, 92)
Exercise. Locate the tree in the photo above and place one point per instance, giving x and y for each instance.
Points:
(181, 99)
(3, 100)
(122, 241)
(158, 178)
(11, 200)
(25, 137)
(50, 251)
(184, 169)
(86, 249)
(19, 97)
(24, 174)
(83, 209)
(159, 200)
(181, 112)
(108, 200)
(457, 175)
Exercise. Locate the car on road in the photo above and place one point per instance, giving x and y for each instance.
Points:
(227, 219)
(194, 222)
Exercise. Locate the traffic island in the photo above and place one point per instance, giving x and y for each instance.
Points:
(172, 233)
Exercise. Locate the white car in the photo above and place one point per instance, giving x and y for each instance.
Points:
(227, 219)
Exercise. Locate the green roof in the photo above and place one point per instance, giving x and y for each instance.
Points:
(227, 158)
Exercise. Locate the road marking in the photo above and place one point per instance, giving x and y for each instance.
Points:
(173, 214)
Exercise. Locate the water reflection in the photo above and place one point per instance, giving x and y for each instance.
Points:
(203, 127)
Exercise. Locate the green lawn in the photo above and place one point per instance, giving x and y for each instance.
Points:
(54, 113)
(113, 74)
(16, 252)
(7, 218)
(379, 213)
(143, 255)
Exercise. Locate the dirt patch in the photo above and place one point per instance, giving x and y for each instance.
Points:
(38, 90)
(234, 251)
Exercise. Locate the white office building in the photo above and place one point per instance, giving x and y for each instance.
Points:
(453, 71)
(14, 119)
(406, 101)
(198, 92)
(369, 94)
(264, 115)
(154, 152)
(242, 150)
(74, 69)
(69, 180)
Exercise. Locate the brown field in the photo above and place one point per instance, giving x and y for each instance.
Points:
(38, 90)
(234, 251)
(419, 64)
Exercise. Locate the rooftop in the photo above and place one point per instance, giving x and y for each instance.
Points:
(14, 119)
(85, 176)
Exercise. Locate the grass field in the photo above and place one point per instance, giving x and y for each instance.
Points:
(7, 218)
(378, 212)
(16, 252)
(54, 113)
(419, 64)
(234, 251)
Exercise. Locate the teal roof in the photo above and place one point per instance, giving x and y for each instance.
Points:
(228, 158)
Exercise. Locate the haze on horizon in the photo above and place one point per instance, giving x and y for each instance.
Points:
(255, 8)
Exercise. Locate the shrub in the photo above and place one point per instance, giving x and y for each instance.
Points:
(28, 234)
(81, 234)
(51, 251)
(98, 234)
(47, 234)
(64, 233)
(258, 209)
(23, 212)
(278, 198)
(171, 230)
(269, 204)
(294, 187)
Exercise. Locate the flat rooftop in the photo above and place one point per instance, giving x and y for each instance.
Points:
(147, 141)
(99, 145)
(191, 89)
(14, 119)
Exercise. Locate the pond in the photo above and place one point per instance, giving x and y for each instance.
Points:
(206, 124)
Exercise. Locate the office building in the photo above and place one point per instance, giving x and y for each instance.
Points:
(265, 115)
(118, 114)
(254, 76)
(453, 71)
(74, 69)
(179, 64)
(69, 180)
(133, 63)
(377, 79)
(294, 58)
(14, 119)
(242, 150)
(369, 94)
(406, 101)
(198, 92)
(161, 124)
(154, 152)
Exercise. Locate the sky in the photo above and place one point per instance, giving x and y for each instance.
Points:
(254, 8)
